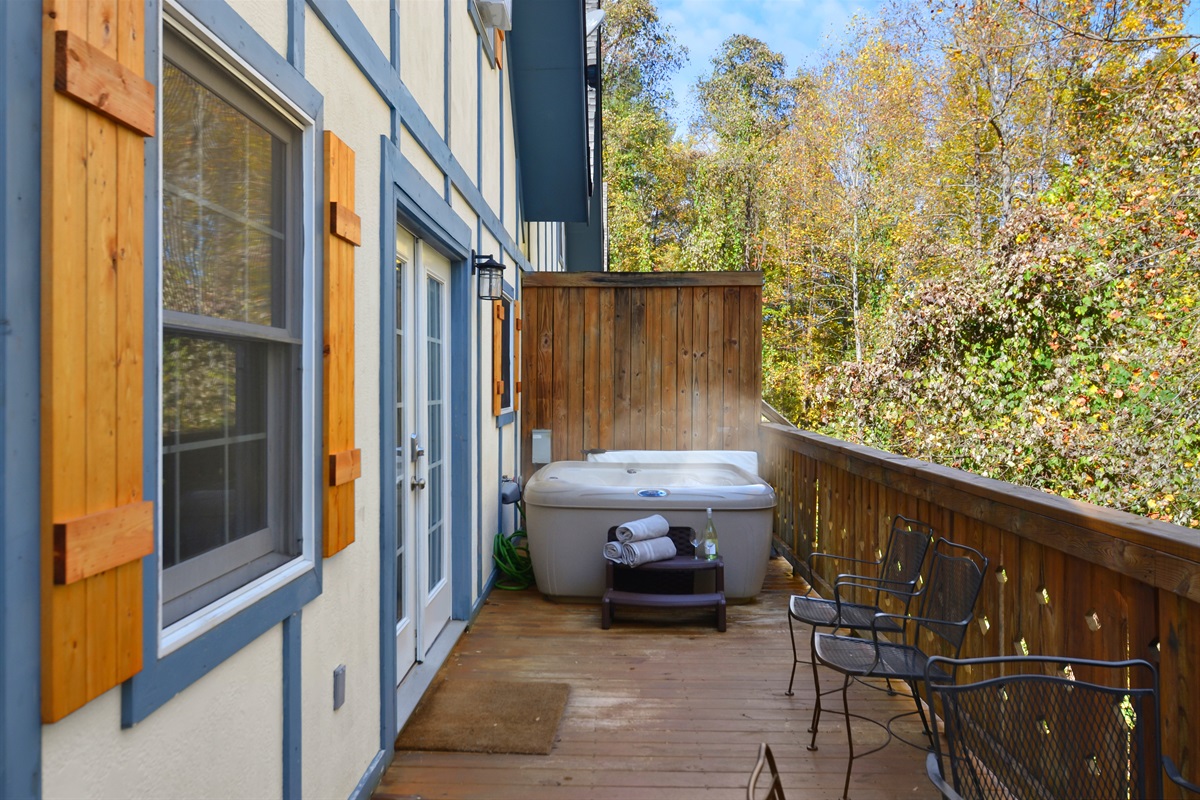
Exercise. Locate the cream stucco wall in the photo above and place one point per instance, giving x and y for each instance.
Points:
(342, 625)
(222, 737)
(376, 16)
(466, 62)
(422, 54)
(490, 187)
(268, 19)
(411, 149)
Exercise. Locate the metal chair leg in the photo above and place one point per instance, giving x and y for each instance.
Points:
(816, 718)
(795, 655)
(849, 736)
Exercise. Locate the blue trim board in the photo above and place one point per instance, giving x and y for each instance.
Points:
(348, 30)
(292, 708)
(373, 775)
(20, 426)
(428, 208)
(295, 47)
(505, 419)
(163, 678)
(387, 457)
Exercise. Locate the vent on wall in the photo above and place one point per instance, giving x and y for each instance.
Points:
(496, 13)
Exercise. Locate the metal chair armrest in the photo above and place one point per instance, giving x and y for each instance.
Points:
(870, 584)
(1173, 774)
(934, 770)
(933, 620)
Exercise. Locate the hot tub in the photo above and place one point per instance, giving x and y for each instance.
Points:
(570, 505)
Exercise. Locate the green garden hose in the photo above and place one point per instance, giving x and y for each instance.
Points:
(511, 554)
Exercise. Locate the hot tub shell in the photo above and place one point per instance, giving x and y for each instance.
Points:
(570, 505)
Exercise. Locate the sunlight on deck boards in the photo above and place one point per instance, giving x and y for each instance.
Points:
(662, 706)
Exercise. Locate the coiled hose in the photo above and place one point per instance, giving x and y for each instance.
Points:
(510, 552)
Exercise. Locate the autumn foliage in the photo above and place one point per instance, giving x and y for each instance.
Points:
(978, 228)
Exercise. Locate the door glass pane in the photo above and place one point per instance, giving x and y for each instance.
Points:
(401, 441)
(436, 448)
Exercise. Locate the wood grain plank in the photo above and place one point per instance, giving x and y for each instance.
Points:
(345, 466)
(714, 407)
(633, 729)
(102, 540)
(643, 280)
(344, 223)
(561, 330)
(622, 358)
(64, 352)
(518, 326)
(731, 387)
(131, 148)
(668, 350)
(592, 409)
(700, 364)
(574, 366)
(607, 404)
(100, 444)
(684, 370)
(95, 78)
(654, 368)
(638, 384)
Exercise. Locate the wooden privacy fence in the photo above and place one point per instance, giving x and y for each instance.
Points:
(657, 361)
(1065, 578)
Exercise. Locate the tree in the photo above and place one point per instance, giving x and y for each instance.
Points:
(645, 169)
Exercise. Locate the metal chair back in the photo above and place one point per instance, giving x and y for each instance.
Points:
(948, 599)
(907, 545)
(1047, 728)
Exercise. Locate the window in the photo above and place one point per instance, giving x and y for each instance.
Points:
(506, 355)
(506, 369)
(232, 333)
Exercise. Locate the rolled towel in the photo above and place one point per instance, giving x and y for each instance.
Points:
(643, 552)
(612, 551)
(642, 529)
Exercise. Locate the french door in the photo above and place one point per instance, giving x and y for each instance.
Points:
(422, 398)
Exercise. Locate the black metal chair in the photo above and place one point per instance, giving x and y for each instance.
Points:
(946, 609)
(1047, 727)
(896, 574)
(766, 760)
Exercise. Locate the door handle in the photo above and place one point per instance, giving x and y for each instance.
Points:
(418, 483)
(416, 451)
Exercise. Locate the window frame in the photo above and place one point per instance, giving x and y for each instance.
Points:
(205, 57)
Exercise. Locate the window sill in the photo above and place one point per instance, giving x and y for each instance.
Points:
(505, 419)
(205, 619)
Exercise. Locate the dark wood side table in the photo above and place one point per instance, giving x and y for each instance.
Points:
(663, 584)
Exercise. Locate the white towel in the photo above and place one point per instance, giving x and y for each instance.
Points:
(643, 552)
(612, 551)
(640, 530)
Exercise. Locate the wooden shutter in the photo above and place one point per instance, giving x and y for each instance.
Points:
(497, 357)
(342, 461)
(96, 110)
(516, 356)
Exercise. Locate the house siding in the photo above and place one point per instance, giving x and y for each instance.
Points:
(253, 716)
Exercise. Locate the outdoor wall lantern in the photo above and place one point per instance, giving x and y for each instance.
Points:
(491, 276)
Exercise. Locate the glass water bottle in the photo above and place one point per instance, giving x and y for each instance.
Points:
(708, 542)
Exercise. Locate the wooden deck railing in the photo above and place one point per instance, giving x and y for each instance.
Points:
(1067, 578)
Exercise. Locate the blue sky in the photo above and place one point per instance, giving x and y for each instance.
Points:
(797, 28)
(800, 29)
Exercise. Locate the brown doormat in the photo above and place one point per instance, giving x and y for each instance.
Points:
(474, 716)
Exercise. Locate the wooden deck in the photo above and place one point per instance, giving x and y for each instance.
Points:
(663, 707)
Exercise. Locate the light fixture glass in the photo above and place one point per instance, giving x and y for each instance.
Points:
(491, 277)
